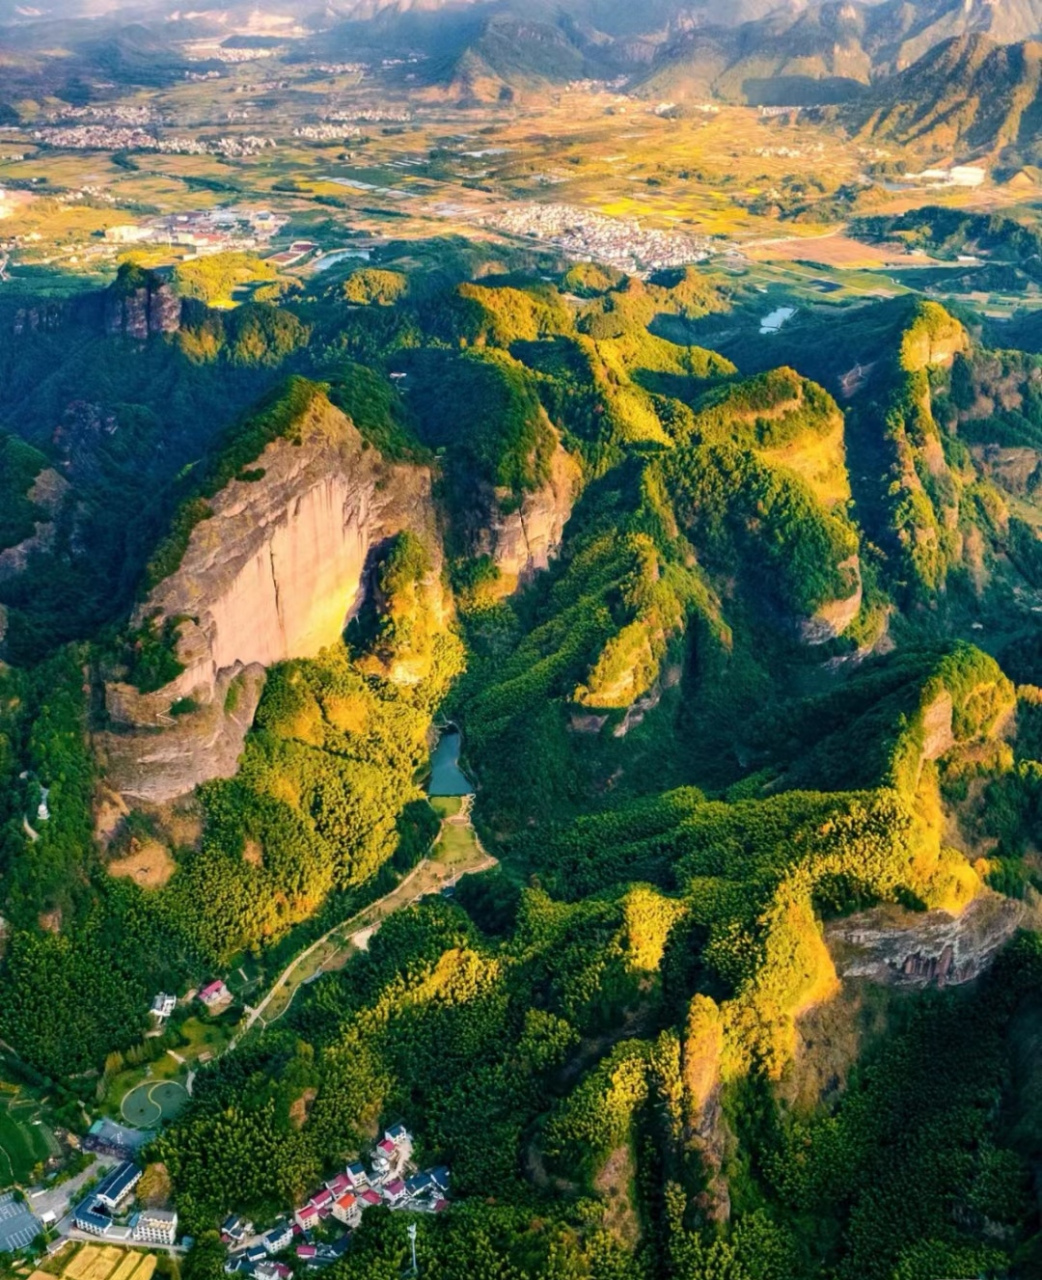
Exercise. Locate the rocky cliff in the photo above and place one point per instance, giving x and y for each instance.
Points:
(523, 540)
(275, 572)
(835, 616)
(148, 307)
(137, 305)
(891, 945)
(48, 493)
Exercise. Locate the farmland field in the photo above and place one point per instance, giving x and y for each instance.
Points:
(99, 1262)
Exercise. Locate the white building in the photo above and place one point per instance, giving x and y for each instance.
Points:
(163, 1005)
(156, 1226)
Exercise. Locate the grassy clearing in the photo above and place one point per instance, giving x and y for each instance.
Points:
(25, 1141)
(446, 806)
(149, 865)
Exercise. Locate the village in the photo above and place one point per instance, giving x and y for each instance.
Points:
(584, 236)
(111, 1212)
(318, 1232)
(132, 137)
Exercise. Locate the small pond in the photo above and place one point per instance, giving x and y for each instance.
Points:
(447, 778)
(338, 255)
(772, 322)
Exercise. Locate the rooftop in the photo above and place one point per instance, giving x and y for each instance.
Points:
(118, 1183)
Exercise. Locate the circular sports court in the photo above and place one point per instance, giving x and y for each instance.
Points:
(147, 1104)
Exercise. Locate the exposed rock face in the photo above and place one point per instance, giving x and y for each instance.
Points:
(938, 735)
(133, 313)
(40, 317)
(891, 945)
(154, 308)
(1016, 469)
(933, 340)
(833, 618)
(48, 493)
(274, 573)
(165, 756)
(523, 541)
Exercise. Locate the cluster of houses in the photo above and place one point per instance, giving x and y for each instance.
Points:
(97, 1213)
(391, 1180)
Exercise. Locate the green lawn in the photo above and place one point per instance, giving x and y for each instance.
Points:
(204, 1037)
(23, 1142)
(445, 806)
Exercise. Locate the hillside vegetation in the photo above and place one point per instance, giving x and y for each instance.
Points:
(765, 682)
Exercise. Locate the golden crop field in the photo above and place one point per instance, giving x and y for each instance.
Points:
(107, 1262)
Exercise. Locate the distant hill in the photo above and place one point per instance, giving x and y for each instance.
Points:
(827, 52)
(753, 51)
(966, 96)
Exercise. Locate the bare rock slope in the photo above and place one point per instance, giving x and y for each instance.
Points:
(274, 573)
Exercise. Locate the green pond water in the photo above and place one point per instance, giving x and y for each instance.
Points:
(447, 778)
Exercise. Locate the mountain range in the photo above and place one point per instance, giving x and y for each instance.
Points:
(965, 96)
(753, 51)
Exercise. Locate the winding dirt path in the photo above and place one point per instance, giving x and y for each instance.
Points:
(430, 875)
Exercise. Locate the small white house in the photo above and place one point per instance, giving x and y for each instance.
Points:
(163, 1006)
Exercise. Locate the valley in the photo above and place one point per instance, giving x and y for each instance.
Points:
(520, 643)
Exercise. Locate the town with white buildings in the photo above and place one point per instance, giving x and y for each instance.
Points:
(584, 236)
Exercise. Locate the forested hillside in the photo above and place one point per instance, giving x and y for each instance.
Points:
(741, 645)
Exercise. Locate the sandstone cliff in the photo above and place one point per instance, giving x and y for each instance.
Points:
(137, 305)
(48, 492)
(524, 540)
(835, 616)
(891, 945)
(275, 572)
(150, 307)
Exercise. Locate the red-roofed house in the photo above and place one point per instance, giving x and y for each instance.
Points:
(321, 1199)
(370, 1197)
(383, 1155)
(214, 993)
(338, 1185)
(394, 1191)
(306, 1216)
(306, 1251)
(347, 1209)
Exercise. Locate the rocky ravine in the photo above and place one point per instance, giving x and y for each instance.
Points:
(274, 573)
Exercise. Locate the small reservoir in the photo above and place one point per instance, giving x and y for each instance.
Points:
(447, 778)
(772, 322)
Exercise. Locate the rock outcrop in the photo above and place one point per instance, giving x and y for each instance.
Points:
(833, 618)
(137, 305)
(891, 945)
(151, 308)
(524, 540)
(48, 492)
(275, 572)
